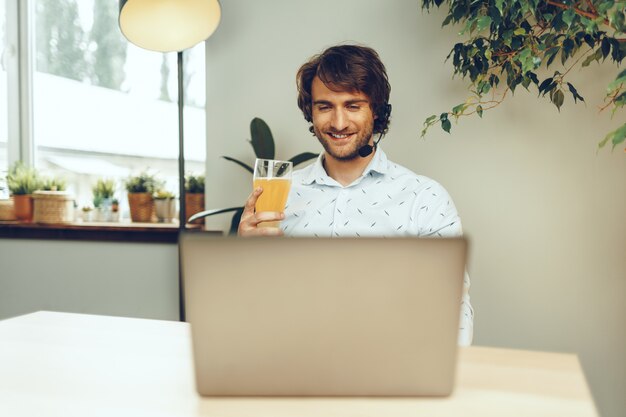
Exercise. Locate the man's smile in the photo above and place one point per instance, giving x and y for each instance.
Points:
(339, 136)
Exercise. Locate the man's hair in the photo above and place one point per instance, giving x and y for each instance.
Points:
(349, 68)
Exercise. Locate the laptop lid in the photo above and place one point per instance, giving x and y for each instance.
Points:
(323, 317)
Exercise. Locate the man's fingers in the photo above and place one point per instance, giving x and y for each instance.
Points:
(248, 208)
(268, 216)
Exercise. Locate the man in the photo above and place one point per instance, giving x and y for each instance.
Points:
(353, 189)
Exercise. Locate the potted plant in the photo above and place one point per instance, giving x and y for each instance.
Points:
(115, 210)
(87, 213)
(22, 182)
(262, 142)
(52, 203)
(165, 207)
(140, 189)
(103, 198)
(194, 195)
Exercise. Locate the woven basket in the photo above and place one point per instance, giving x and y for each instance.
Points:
(7, 210)
(141, 207)
(53, 207)
(194, 204)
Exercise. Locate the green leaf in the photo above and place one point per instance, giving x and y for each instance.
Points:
(616, 137)
(483, 22)
(456, 110)
(499, 6)
(430, 119)
(261, 139)
(619, 135)
(479, 110)
(238, 162)
(446, 125)
(558, 99)
(621, 78)
(303, 157)
(574, 93)
(568, 16)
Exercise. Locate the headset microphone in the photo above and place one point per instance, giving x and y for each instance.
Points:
(366, 150)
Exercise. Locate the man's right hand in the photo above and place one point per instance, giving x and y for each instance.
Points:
(249, 224)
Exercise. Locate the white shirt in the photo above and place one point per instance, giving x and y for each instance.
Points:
(386, 200)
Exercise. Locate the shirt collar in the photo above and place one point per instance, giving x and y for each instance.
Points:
(379, 164)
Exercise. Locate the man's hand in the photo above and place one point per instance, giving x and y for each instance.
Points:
(248, 226)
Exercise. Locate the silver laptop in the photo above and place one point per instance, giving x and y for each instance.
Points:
(323, 317)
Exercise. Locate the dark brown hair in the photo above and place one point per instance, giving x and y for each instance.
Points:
(348, 68)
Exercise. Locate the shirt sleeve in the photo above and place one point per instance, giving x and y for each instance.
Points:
(436, 216)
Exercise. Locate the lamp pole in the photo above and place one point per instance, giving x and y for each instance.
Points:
(181, 146)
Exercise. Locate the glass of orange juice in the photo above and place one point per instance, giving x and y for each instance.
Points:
(275, 179)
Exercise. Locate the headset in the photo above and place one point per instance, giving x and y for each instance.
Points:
(383, 114)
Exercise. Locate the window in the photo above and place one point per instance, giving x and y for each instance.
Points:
(101, 107)
(4, 99)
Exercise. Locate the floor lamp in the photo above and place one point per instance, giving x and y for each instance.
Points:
(171, 26)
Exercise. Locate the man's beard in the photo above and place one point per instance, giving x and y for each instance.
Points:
(349, 152)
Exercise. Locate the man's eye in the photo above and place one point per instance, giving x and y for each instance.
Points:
(323, 108)
(354, 107)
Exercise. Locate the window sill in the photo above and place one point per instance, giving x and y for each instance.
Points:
(108, 232)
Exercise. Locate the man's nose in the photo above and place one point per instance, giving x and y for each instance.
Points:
(339, 120)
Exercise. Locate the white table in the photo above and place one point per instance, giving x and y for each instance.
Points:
(60, 364)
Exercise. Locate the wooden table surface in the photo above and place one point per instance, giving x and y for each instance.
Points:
(61, 364)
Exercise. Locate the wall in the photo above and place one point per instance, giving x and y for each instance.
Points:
(543, 210)
(111, 278)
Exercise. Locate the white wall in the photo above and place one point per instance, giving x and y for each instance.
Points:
(111, 278)
(544, 212)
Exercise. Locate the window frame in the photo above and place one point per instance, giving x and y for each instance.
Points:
(20, 47)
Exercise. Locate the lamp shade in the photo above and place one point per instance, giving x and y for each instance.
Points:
(168, 25)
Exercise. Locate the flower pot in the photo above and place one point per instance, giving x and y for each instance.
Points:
(52, 207)
(7, 210)
(23, 205)
(165, 209)
(194, 203)
(141, 207)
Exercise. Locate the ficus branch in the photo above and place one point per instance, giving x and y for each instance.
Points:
(590, 15)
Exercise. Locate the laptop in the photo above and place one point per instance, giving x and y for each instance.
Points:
(323, 317)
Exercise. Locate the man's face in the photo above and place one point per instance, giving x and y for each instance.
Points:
(342, 121)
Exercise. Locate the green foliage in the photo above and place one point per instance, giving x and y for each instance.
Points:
(110, 46)
(23, 180)
(53, 184)
(104, 188)
(509, 41)
(163, 195)
(143, 183)
(60, 39)
(194, 184)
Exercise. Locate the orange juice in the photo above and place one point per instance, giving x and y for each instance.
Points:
(274, 196)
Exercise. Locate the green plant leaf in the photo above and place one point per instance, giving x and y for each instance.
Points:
(574, 93)
(446, 125)
(558, 99)
(241, 164)
(483, 23)
(479, 110)
(261, 139)
(303, 157)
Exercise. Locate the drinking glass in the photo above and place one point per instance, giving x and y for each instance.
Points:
(275, 179)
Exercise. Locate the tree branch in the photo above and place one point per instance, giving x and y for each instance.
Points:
(590, 15)
(591, 7)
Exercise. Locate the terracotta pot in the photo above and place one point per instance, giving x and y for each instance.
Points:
(194, 203)
(141, 207)
(23, 205)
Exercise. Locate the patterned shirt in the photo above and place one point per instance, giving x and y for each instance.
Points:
(386, 200)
